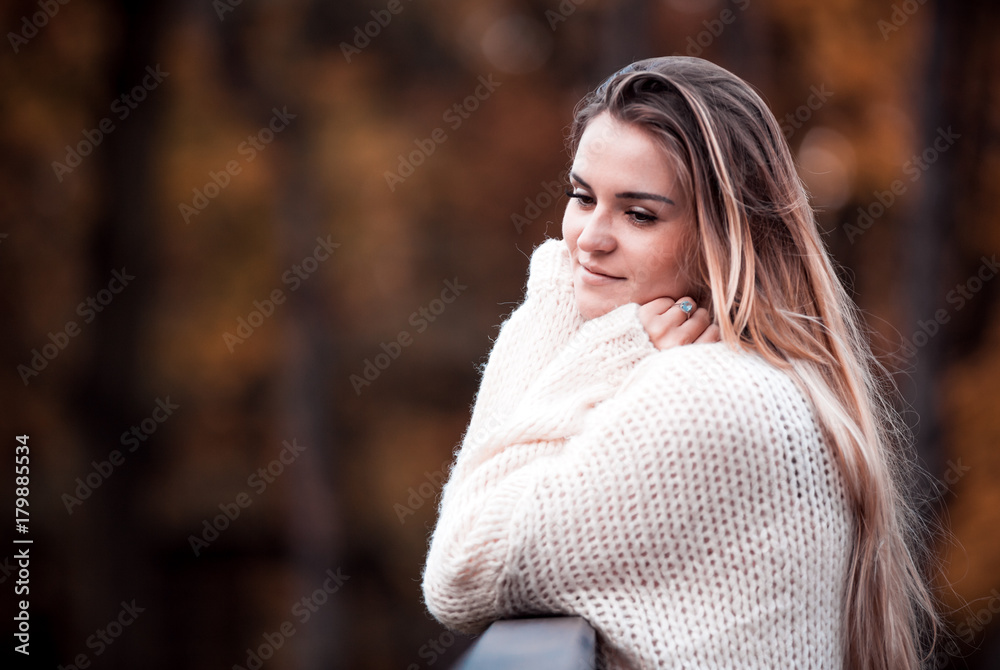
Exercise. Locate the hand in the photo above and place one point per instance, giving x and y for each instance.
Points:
(669, 326)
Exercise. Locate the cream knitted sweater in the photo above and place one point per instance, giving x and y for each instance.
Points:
(684, 502)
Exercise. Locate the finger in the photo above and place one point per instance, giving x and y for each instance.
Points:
(680, 314)
(696, 324)
(711, 334)
(656, 307)
(665, 328)
(684, 331)
(652, 315)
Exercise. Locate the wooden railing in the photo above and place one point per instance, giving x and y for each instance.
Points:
(548, 643)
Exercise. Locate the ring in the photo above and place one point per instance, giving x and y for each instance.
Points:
(686, 307)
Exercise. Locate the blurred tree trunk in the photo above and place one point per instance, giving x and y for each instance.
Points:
(931, 238)
(115, 556)
(624, 36)
(308, 413)
(923, 240)
(307, 364)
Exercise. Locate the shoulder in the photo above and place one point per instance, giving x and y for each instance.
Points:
(720, 410)
(550, 266)
(735, 395)
(713, 368)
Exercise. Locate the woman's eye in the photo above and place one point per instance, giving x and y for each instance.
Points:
(582, 198)
(639, 217)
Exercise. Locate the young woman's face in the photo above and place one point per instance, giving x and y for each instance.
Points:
(627, 220)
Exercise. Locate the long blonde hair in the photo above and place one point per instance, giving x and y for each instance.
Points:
(770, 285)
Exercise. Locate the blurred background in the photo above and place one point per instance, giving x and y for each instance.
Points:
(252, 253)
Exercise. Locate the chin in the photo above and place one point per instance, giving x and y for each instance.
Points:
(592, 303)
(591, 309)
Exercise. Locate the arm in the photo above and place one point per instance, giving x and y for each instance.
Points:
(698, 520)
(528, 340)
(497, 459)
(701, 484)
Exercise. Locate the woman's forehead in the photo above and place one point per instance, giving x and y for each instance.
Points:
(616, 152)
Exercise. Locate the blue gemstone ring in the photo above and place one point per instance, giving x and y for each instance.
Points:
(686, 306)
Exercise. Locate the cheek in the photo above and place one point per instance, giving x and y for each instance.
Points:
(668, 264)
(671, 277)
(657, 269)
(570, 229)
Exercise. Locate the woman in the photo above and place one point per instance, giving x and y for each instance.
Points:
(679, 434)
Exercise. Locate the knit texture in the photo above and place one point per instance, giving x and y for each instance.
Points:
(684, 501)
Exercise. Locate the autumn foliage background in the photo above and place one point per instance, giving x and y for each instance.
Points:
(346, 364)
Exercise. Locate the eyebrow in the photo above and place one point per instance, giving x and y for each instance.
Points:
(631, 195)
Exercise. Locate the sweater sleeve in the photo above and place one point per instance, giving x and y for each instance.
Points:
(547, 371)
(528, 340)
(693, 515)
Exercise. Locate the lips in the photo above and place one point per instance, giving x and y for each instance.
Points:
(598, 270)
(594, 274)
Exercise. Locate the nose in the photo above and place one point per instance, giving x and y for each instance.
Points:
(597, 235)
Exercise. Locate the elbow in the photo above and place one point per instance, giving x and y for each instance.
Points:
(457, 611)
(459, 595)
